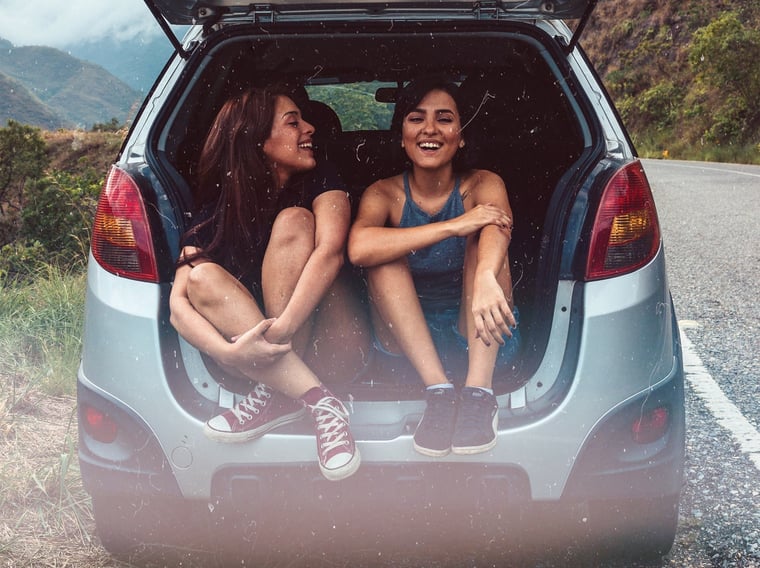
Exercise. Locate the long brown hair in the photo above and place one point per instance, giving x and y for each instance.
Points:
(237, 182)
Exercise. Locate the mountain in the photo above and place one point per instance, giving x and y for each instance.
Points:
(48, 88)
(19, 104)
(137, 62)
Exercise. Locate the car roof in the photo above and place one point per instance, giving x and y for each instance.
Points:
(184, 12)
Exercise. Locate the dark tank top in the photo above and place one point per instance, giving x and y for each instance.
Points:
(437, 269)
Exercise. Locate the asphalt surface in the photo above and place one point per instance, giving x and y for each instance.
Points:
(709, 216)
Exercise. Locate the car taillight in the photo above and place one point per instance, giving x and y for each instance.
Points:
(99, 425)
(626, 233)
(121, 237)
(651, 426)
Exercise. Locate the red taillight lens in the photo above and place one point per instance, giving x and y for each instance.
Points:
(651, 426)
(121, 237)
(626, 233)
(99, 425)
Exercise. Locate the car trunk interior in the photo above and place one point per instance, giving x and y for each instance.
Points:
(521, 118)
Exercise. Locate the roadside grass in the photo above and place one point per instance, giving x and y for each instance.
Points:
(45, 514)
(41, 331)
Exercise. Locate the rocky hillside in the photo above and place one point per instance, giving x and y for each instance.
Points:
(45, 87)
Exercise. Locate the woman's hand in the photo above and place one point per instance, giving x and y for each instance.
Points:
(479, 217)
(278, 333)
(490, 309)
(252, 349)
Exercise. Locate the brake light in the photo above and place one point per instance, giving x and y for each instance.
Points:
(626, 232)
(99, 425)
(121, 236)
(651, 426)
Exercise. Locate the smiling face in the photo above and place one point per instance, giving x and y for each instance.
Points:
(431, 132)
(289, 146)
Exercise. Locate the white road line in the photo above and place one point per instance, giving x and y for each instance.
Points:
(698, 166)
(724, 411)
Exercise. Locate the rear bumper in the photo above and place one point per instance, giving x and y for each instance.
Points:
(610, 466)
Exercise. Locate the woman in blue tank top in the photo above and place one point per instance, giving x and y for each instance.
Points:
(434, 241)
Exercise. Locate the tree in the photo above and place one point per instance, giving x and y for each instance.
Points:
(22, 157)
(724, 56)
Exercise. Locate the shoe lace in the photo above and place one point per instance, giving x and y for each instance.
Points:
(332, 421)
(252, 403)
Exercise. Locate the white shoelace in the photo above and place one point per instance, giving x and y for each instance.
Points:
(251, 403)
(331, 423)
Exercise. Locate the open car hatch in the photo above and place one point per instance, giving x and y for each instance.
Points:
(187, 12)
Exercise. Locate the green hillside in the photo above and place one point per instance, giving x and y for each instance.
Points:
(19, 104)
(77, 93)
(684, 74)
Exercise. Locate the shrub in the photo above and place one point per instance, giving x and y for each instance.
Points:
(54, 225)
(724, 56)
(112, 126)
(22, 157)
(659, 105)
(58, 214)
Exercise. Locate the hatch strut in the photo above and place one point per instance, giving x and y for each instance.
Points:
(183, 53)
(581, 26)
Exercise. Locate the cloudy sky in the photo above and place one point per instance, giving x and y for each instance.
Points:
(62, 23)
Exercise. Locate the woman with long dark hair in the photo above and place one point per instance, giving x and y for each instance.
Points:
(433, 241)
(259, 284)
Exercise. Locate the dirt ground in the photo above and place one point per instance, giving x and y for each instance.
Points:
(45, 516)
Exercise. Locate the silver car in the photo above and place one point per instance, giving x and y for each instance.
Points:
(591, 415)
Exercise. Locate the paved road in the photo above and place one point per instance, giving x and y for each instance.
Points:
(710, 216)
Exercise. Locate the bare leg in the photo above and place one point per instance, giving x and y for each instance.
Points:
(290, 246)
(341, 340)
(334, 342)
(222, 300)
(481, 358)
(399, 322)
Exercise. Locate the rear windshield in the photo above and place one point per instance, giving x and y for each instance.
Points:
(356, 104)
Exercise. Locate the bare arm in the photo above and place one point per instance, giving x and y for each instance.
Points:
(492, 289)
(332, 213)
(371, 242)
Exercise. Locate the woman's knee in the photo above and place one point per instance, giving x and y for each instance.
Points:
(388, 271)
(293, 226)
(206, 281)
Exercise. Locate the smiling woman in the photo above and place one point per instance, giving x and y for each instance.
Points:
(434, 242)
(256, 282)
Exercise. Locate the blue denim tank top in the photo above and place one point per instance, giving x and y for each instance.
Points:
(437, 269)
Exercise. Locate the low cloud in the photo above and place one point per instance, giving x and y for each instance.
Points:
(63, 24)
